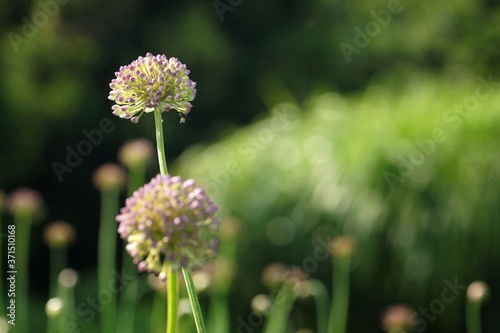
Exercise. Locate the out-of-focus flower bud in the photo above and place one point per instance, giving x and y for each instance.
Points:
(109, 176)
(261, 304)
(343, 247)
(478, 292)
(53, 307)
(136, 153)
(59, 234)
(272, 275)
(25, 201)
(397, 318)
(230, 227)
(68, 278)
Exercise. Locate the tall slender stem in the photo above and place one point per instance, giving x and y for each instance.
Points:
(277, 321)
(107, 256)
(67, 295)
(23, 227)
(473, 317)
(172, 300)
(193, 299)
(127, 314)
(172, 284)
(320, 295)
(58, 261)
(340, 298)
(173, 296)
(162, 160)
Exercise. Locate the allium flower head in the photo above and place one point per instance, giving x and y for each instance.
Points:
(169, 221)
(149, 83)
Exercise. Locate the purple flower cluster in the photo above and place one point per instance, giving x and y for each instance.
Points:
(169, 221)
(149, 83)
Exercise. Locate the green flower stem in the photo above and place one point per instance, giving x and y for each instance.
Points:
(172, 284)
(218, 320)
(193, 299)
(23, 228)
(473, 317)
(107, 256)
(340, 298)
(162, 160)
(136, 178)
(127, 314)
(282, 305)
(68, 314)
(52, 325)
(173, 294)
(58, 261)
(172, 300)
(320, 295)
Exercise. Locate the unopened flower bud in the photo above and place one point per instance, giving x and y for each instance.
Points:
(25, 201)
(201, 280)
(184, 307)
(135, 153)
(53, 307)
(4, 325)
(272, 275)
(397, 318)
(343, 247)
(478, 292)
(296, 278)
(109, 176)
(261, 304)
(68, 278)
(230, 227)
(276, 274)
(59, 234)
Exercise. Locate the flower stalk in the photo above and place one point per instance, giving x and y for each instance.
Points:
(107, 254)
(172, 283)
(25, 205)
(108, 179)
(160, 146)
(172, 300)
(166, 221)
(477, 293)
(193, 300)
(135, 155)
(342, 249)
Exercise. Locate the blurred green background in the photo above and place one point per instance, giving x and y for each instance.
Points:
(395, 144)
